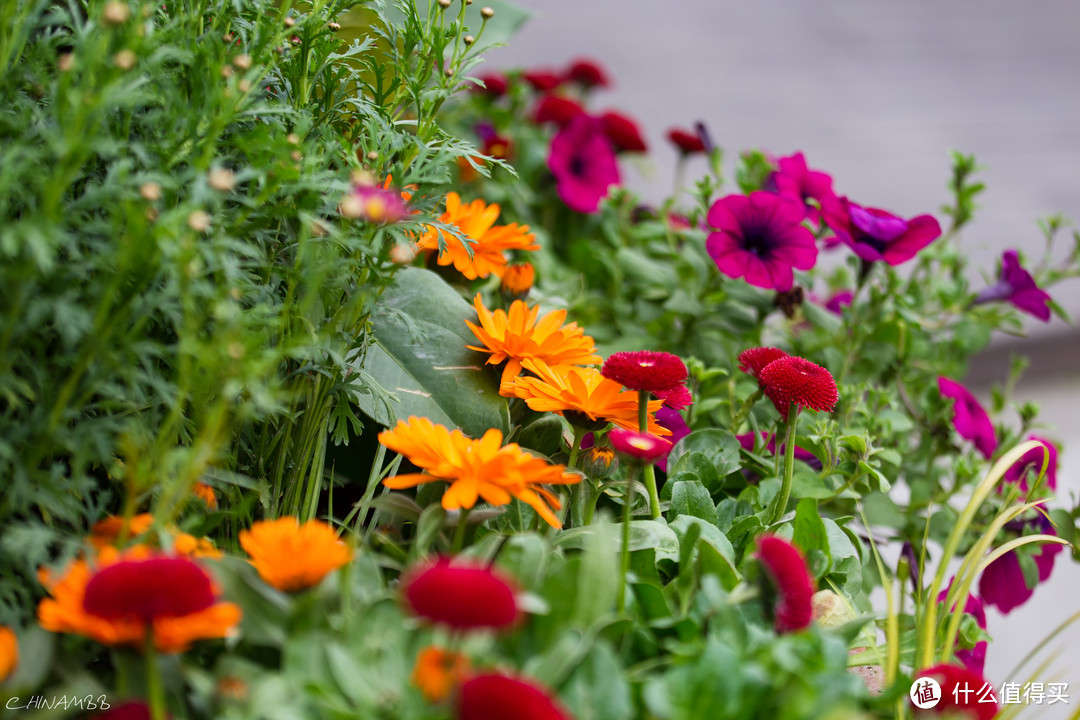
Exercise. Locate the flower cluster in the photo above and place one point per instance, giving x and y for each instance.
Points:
(790, 381)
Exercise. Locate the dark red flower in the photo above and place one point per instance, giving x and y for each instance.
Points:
(645, 370)
(643, 447)
(875, 234)
(542, 80)
(557, 110)
(586, 73)
(622, 132)
(494, 696)
(796, 380)
(795, 181)
(494, 84)
(461, 595)
(1002, 584)
(583, 163)
(961, 690)
(157, 587)
(760, 237)
(678, 397)
(754, 360)
(686, 142)
(786, 570)
(131, 710)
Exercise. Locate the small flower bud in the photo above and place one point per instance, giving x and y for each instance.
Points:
(226, 71)
(242, 62)
(402, 254)
(125, 59)
(244, 85)
(236, 350)
(351, 206)
(65, 62)
(116, 13)
(373, 155)
(599, 462)
(297, 156)
(516, 281)
(290, 22)
(227, 37)
(199, 221)
(444, 4)
(362, 178)
(150, 191)
(334, 26)
(487, 13)
(318, 229)
(293, 139)
(468, 39)
(221, 179)
(449, 72)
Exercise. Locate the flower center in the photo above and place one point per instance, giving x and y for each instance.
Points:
(758, 241)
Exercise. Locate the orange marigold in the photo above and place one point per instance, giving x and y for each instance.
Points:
(9, 653)
(517, 281)
(517, 335)
(475, 469)
(66, 611)
(291, 556)
(108, 531)
(439, 672)
(581, 393)
(205, 493)
(476, 221)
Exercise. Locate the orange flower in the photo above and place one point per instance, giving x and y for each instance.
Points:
(291, 556)
(439, 672)
(517, 280)
(475, 221)
(128, 595)
(517, 335)
(191, 546)
(9, 653)
(108, 531)
(583, 392)
(475, 469)
(205, 493)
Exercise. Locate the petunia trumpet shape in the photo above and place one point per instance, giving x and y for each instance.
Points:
(583, 163)
(969, 418)
(875, 234)
(1016, 286)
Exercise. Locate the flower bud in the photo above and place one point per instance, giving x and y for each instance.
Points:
(125, 59)
(334, 26)
(244, 86)
(373, 155)
(226, 71)
(150, 191)
(221, 179)
(242, 62)
(116, 13)
(444, 4)
(468, 40)
(65, 62)
(598, 462)
(290, 22)
(487, 13)
(516, 281)
(199, 221)
(293, 139)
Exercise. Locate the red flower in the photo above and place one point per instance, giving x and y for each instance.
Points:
(677, 398)
(645, 370)
(158, 587)
(754, 360)
(786, 569)
(462, 596)
(557, 110)
(622, 132)
(688, 143)
(131, 710)
(542, 80)
(498, 697)
(961, 690)
(494, 84)
(643, 447)
(586, 73)
(796, 380)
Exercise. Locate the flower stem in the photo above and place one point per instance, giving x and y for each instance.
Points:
(628, 500)
(154, 689)
(744, 411)
(459, 531)
(650, 472)
(780, 504)
(579, 495)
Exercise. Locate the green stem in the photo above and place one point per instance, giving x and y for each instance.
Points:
(579, 495)
(649, 472)
(780, 504)
(628, 500)
(154, 689)
(459, 531)
(744, 411)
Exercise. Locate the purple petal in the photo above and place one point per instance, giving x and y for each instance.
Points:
(878, 224)
(969, 418)
(1002, 584)
(921, 231)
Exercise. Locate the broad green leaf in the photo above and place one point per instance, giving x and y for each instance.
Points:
(419, 355)
(719, 446)
(691, 498)
(598, 689)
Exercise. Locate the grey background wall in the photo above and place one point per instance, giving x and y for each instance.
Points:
(876, 94)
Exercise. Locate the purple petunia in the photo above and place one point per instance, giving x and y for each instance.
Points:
(1016, 285)
(1002, 583)
(746, 441)
(975, 658)
(838, 301)
(672, 420)
(583, 163)
(795, 181)
(875, 234)
(1033, 460)
(969, 418)
(760, 237)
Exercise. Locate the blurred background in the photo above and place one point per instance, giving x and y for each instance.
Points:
(877, 94)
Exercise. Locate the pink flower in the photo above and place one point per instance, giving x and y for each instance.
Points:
(1002, 583)
(960, 704)
(1031, 463)
(875, 234)
(672, 420)
(645, 370)
(494, 84)
(760, 237)
(786, 570)
(461, 595)
(586, 73)
(583, 163)
(643, 447)
(1016, 285)
(623, 132)
(494, 696)
(838, 301)
(969, 418)
(677, 397)
(800, 184)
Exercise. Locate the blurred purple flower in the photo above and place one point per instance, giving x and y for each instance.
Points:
(760, 237)
(969, 418)
(1016, 285)
(1002, 583)
(875, 234)
(583, 163)
(673, 421)
(1033, 460)
(838, 301)
(747, 442)
(975, 658)
(795, 181)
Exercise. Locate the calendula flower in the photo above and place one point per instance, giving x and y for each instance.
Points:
(108, 531)
(461, 595)
(875, 234)
(789, 579)
(9, 652)
(598, 462)
(639, 446)
(118, 598)
(438, 672)
(582, 395)
(291, 556)
(205, 493)
(794, 380)
(191, 546)
(475, 469)
(476, 221)
(517, 281)
(969, 418)
(520, 334)
(1016, 286)
(494, 696)
(961, 693)
(645, 370)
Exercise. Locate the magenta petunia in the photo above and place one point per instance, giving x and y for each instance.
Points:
(838, 301)
(795, 181)
(1030, 464)
(1016, 285)
(875, 234)
(969, 418)
(760, 237)
(583, 163)
(975, 658)
(1002, 583)
(671, 419)
(494, 85)
(746, 441)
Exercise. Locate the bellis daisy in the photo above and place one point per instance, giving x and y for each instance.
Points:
(494, 696)
(794, 380)
(461, 595)
(960, 704)
(645, 370)
(789, 581)
(639, 446)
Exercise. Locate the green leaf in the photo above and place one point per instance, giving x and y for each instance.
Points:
(810, 535)
(427, 529)
(715, 552)
(719, 447)
(598, 689)
(691, 498)
(419, 355)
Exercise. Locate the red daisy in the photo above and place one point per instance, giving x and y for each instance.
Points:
(754, 360)
(556, 110)
(494, 696)
(961, 690)
(645, 370)
(687, 143)
(586, 73)
(676, 398)
(494, 84)
(643, 447)
(542, 80)
(622, 132)
(796, 380)
(131, 710)
(786, 570)
(158, 587)
(462, 596)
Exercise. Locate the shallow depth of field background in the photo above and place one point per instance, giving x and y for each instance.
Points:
(876, 95)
